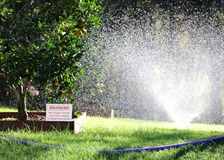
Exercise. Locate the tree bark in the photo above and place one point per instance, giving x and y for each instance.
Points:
(21, 101)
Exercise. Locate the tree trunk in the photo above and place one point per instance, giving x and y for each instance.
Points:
(21, 101)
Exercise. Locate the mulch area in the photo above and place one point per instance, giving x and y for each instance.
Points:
(102, 112)
(91, 111)
(36, 118)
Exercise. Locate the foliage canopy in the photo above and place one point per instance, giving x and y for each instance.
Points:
(41, 42)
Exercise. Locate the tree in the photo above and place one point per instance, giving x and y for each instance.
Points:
(41, 42)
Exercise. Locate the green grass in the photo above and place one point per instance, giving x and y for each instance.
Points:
(8, 109)
(11, 109)
(102, 133)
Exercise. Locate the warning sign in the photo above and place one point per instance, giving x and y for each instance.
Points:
(59, 112)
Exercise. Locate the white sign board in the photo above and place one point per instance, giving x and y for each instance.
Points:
(58, 112)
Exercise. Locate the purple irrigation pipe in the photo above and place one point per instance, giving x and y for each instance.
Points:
(26, 142)
(157, 148)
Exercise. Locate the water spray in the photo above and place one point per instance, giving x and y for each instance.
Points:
(169, 74)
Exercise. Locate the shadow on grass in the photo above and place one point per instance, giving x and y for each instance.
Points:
(204, 147)
(17, 150)
(161, 138)
(180, 154)
(109, 156)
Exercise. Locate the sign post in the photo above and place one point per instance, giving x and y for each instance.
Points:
(58, 112)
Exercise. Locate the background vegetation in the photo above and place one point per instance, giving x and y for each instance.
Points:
(40, 45)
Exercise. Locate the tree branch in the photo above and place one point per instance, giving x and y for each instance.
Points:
(15, 92)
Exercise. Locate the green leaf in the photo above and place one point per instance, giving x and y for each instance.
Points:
(82, 71)
(1, 3)
(40, 25)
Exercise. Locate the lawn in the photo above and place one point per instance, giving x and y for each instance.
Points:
(110, 134)
(8, 109)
